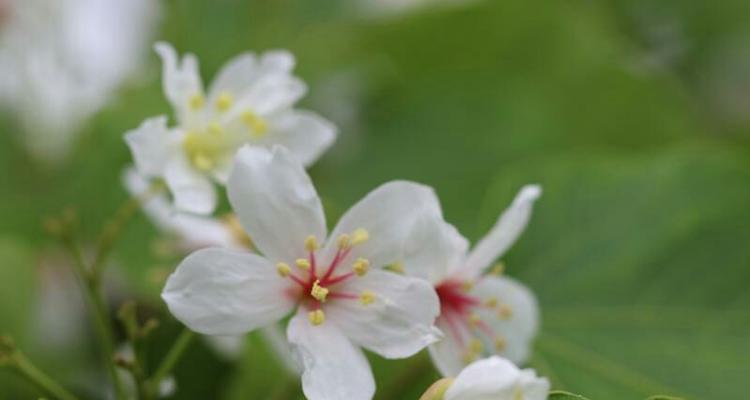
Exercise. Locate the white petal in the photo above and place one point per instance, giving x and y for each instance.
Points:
(399, 323)
(532, 386)
(333, 367)
(226, 292)
(388, 213)
(181, 80)
(305, 134)
(275, 201)
(150, 146)
(272, 93)
(521, 327)
(493, 378)
(192, 191)
(447, 354)
(433, 248)
(239, 74)
(506, 231)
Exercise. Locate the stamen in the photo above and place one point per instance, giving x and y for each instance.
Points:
(367, 297)
(491, 302)
(361, 266)
(360, 236)
(474, 350)
(202, 162)
(311, 243)
(283, 269)
(504, 312)
(196, 101)
(500, 343)
(319, 292)
(302, 264)
(316, 317)
(215, 128)
(474, 319)
(498, 269)
(396, 267)
(344, 241)
(467, 286)
(256, 124)
(224, 101)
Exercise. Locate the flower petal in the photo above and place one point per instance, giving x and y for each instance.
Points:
(519, 325)
(192, 191)
(306, 134)
(433, 248)
(388, 214)
(506, 231)
(333, 367)
(532, 386)
(493, 378)
(275, 201)
(447, 354)
(226, 292)
(272, 93)
(239, 74)
(150, 146)
(181, 80)
(400, 321)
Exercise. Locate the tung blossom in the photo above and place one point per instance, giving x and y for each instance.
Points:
(481, 313)
(496, 378)
(340, 298)
(249, 102)
(62, 61)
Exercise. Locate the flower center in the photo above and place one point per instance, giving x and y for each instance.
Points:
(205, 148)
(460, 312)
(319, 284)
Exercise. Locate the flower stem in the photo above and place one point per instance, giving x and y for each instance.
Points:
(171, 359)
(92, 289)
(23, 366)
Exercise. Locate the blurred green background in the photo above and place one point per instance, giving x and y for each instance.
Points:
(634, 115)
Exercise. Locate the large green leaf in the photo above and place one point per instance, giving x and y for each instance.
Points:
(641, 265)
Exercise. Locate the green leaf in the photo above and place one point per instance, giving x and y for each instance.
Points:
(662, 397)
(641, 267)
(561, 395)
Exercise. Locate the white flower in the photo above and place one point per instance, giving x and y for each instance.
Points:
(249, 102)
(62, 61)
(341, 298)
(192, 231)
(496, 378)
(481, 314)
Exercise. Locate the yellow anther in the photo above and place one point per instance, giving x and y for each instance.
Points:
(316, 317)
(491, 302)
(344, 241)
(319, 292)
(467, 286)
(257, 125)
(396, 267)
(498, 269)
(367, 297)
(361, 266)
(215, 128)
(283, 269)
(302, 263)
(469, 358)
(360, 236)
(504, 311)
(500, 343)
(202, 162)
(311, 243)
(196, 101)
(474, 319)
(476, 346)
(224, 101)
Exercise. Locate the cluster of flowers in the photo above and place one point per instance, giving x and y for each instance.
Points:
(392, 277)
